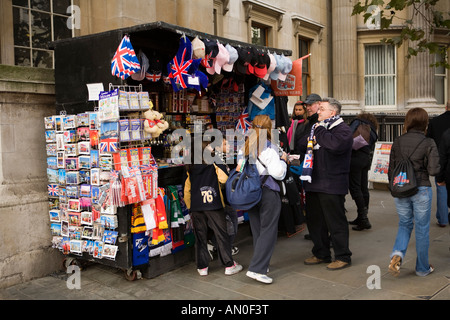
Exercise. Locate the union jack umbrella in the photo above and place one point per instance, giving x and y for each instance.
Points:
(53, 190)
(110, 145)
(125, 63)
(244, 123)
(178, 67)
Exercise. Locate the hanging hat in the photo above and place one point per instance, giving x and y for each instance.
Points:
(221, 58)
(271, 67)
(198, 48)
(259, 63)
(154, 69)
(233, 57)
(144, 62)
(241, 64)
(211, 51)
(287, 67)
(279, 66)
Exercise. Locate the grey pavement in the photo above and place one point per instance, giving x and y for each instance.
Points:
(293, 280)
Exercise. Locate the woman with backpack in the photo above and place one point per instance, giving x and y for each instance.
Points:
(414, 210)
(265, 215)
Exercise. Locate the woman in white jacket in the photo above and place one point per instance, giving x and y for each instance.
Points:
(265, 215)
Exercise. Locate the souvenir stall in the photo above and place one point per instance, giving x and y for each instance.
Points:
(115, 184)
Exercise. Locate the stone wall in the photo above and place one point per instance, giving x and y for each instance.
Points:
(26, 97)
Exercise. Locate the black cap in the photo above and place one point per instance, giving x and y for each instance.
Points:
(313, 97)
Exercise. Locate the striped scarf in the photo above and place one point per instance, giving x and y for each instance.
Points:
(309, 156)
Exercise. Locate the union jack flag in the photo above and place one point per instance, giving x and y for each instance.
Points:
(244, 123)
(110, 145)
(308, 161)
(153, 77)
(53, 190)
(207, 61)
(178, 67)
(125, 63)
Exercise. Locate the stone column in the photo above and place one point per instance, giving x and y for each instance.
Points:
(421, 88)
(345, 55)
(26, 97)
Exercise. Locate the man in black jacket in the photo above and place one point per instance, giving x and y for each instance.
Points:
(327, 186)
(312, 103)
(436, 128)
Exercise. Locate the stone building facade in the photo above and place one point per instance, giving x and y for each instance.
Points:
(347, 62)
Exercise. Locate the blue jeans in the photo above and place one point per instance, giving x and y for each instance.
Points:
(441, 204)
(415, 210)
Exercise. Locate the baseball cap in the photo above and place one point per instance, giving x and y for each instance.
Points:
(259, 64)
(313, 97)
(222, 57)
(211, 51)
(233, 57)
(241, 64)
(271, 67)
(198, 47)
(286, 68)
(280, 66)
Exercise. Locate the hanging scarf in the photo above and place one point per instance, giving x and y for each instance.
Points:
(309, 156)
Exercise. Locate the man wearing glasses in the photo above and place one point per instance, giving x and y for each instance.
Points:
(329, 148)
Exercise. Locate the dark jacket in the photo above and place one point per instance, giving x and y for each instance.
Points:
(437, 126)
(425, 159)
(202, 190)
(331, 162)
(444, 155)
(301, 132)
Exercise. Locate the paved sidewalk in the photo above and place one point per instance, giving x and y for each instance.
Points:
(292, 279)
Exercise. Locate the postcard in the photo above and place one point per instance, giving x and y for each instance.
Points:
(74, 205)
(84, 147)
(73, 192)
(54, 215)
(85, 176)
(86, 218)
(109, 251)
(83, 133)
(72, 177)
(64, 228)
(50, 136)
(55, 229)
(109, 130)
(49, 123)
(95, 157)
(95, 176)
(84, 162)
(87, 233)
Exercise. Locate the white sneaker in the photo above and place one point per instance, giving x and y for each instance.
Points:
(235, 268)
(259, 277)
(203, 272)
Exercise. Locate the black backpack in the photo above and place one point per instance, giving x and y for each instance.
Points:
(403, 181)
